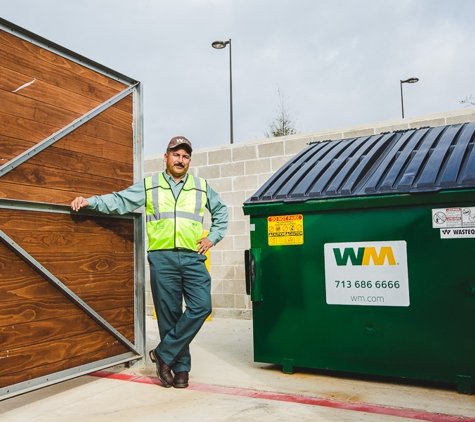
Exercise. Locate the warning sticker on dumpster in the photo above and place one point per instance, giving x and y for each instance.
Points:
(285, 230)
(454, 223)
(367, 273)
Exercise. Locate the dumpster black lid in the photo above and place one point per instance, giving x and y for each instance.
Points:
(410, 161)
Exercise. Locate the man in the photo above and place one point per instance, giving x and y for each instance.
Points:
(175, 203)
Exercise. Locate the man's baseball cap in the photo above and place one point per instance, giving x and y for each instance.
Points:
(180, 142)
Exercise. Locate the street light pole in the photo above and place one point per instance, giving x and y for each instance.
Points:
(407, 81)
(220, 45)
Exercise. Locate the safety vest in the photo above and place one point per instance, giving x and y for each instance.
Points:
(174, 223)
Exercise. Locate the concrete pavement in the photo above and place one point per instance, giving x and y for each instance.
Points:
(226, 385)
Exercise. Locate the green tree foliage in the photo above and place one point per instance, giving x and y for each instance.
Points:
(283, 124)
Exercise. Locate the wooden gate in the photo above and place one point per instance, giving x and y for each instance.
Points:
(71, 284)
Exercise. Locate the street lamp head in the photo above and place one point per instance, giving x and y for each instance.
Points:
(220, 44)
(410, 81)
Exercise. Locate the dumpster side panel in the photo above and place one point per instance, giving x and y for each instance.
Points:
(429, 339)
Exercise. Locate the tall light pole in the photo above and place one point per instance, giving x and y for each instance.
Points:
(407, 81)
(220, 45)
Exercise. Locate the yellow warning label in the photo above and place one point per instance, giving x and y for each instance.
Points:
(285, 230)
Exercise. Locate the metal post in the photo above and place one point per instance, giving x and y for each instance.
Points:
(402, 101)
(230, 93)
(407, 81)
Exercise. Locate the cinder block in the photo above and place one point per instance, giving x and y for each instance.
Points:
(464, 118)
(325, 136)
(242, 183)
(431, 123)
(264, 177)
(222, 272)
(242, 301)
(391, 128)
(153, 166)
(242, 242)
(215, 257)
(233, 198)
(217, 286)
(257, 166)
(209, 172)
(238, 213)
(222, 184)
(236, 227)
(294, 146)
(239, 270)
(356, 133)
(244, 153)
(199, 159)
(219, 157)
(271, 149)
(232, 169)
(223, 301)
(225, 244)
(233, 258)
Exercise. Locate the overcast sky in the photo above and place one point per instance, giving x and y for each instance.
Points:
(337, 62)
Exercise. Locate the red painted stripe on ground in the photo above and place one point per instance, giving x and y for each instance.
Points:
(295, 398)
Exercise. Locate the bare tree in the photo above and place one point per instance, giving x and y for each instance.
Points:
(469, 101)
(283, 124)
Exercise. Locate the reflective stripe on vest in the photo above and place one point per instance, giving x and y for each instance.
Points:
(174, 223)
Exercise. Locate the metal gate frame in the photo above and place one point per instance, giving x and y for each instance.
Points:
(136, 350)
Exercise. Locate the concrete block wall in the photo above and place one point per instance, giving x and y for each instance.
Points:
(237, 171)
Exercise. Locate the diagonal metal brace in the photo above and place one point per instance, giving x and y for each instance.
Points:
(50, 140)
(18, 250)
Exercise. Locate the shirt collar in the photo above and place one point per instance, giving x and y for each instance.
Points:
(170, 179)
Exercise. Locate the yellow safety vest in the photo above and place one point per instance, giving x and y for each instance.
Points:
(174, 223)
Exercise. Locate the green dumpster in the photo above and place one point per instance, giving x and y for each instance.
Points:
(361, 257)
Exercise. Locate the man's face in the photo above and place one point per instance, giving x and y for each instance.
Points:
(177, 161)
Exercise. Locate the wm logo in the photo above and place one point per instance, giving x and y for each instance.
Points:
(363, 256)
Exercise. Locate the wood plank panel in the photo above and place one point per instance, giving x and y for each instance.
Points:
(20, 359)
(50, 303)
(15, 312)
(71, 362)
(46, 358)
(55, 61)
(70, 223)
(16, 128)
(100, 127)
(87, 264)
(80, 144)
(11, 81)
(26, 108)
(71, 163)
(31, 184)
(59, 72)
(45, 195)
(50, 229)
(50, 330)
(25, 178)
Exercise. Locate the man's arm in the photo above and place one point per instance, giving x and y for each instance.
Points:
(219, 216)
(122, 202)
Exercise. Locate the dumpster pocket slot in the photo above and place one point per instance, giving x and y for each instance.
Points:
(253, 273)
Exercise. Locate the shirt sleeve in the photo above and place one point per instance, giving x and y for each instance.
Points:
(121, 202)
(219, 215)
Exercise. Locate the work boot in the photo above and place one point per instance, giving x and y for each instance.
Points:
(164, 372)
(180, 380)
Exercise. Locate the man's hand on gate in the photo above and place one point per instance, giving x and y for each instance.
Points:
(79, 203)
